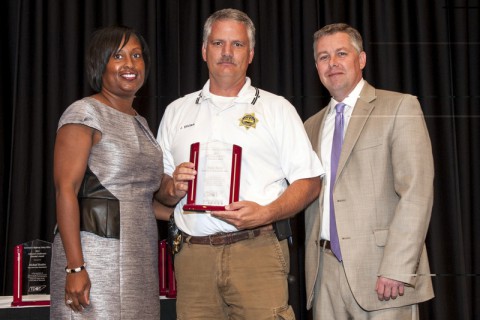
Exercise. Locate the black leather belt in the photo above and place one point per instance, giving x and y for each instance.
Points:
(219, 239)
(325, 244)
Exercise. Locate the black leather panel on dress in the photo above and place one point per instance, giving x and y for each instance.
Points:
(99, 209)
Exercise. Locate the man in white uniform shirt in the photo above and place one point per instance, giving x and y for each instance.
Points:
(233, 264)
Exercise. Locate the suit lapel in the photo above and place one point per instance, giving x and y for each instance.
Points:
(317, 137)
(361, 112)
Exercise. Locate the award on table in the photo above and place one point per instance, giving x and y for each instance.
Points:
(217, 182)
(31, 272)
(166, 272)
(162, 267)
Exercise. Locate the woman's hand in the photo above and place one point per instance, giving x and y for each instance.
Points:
(77, 290)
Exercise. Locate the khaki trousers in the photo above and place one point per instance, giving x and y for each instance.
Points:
(334, 299)
(244, 280)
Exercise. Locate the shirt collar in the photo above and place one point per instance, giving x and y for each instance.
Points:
(246, 94)
(351, 99)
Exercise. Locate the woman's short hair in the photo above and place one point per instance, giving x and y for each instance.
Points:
(103, 44)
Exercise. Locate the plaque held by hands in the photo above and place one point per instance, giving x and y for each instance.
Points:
(217, 182)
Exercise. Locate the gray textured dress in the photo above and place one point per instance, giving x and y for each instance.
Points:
(124, 273)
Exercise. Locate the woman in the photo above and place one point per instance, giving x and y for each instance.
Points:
(107, 166)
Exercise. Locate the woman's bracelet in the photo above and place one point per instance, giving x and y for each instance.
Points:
(75, 270)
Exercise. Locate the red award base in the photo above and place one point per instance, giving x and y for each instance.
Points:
(18, 282)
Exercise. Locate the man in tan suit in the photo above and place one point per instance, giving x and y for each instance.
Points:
(382, 193)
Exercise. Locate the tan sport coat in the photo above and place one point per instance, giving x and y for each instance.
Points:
(383, 198)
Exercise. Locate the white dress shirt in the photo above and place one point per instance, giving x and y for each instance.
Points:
(326, 151)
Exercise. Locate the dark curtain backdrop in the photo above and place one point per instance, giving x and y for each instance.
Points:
(428, 48)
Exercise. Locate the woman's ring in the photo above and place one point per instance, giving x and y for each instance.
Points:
(69, 301)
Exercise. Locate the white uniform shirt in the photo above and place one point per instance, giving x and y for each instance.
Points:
(275, 149)
(326, 152)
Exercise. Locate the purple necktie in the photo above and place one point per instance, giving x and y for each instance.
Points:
(336, 150)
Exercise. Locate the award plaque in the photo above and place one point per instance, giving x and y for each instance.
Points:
(31, 272)
(166, 273)
(162, 267)
(217, 182)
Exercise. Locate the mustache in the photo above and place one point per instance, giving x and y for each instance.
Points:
(226, 59)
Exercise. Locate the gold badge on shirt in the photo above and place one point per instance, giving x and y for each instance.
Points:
(248, 121)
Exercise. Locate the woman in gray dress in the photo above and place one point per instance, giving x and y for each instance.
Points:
(107, 167)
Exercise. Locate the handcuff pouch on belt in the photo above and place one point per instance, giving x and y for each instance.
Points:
(174, 238)
(282, 229)
(99, 209)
